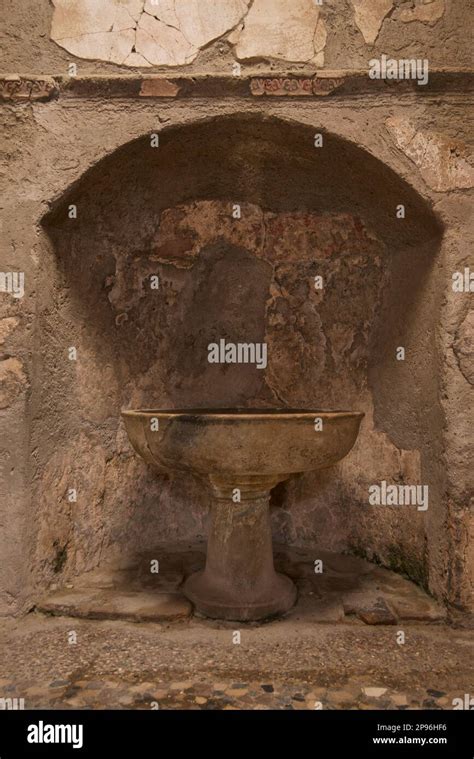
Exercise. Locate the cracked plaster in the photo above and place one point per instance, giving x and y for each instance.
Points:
(443, 163)
(172, 32)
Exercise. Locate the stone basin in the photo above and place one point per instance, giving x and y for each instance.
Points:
(243, 454)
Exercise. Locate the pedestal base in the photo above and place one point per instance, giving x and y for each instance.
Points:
(239, 581)
(210, 601)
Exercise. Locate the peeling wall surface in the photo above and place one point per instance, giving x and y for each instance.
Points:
(235, 199)
(204, 35)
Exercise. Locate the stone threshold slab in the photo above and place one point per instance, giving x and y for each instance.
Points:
(349, 589)
(132, 606)
(288, 85)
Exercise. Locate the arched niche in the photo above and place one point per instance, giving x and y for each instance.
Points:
(304, 211)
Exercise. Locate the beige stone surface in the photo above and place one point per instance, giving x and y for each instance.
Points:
(139, 33)
(7, 325)
(437, 29)
(464, 347)
(374, 692)
(154, 87)
(287, 31)
(443, 163)
(108, 46)
(96, 30)
(135, 59)
(427, 11)
(12, 380)
(161, 44)
(418, 609)
(74, 18)
(369, 16)
(137, 606)
(200, 21)
(97, 385)
(69, 531)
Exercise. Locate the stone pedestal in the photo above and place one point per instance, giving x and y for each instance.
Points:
(239, 581)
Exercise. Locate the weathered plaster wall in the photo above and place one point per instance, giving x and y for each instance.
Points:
(204, 36)
(58, 419)
(250, 279)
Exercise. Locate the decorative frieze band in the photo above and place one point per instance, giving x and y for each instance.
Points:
(28, 88)
(288, 85)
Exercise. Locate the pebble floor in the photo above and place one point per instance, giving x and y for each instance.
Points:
(197, 665)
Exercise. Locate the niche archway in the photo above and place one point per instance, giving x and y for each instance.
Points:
(235, 217)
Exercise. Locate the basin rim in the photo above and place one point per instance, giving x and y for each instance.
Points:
(241, 413)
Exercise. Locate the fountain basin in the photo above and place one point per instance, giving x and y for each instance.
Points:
(243, 453)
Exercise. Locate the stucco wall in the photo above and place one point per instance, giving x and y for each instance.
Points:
(211, 36)
(59, 419)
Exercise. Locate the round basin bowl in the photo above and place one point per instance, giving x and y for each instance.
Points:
(233, 442)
